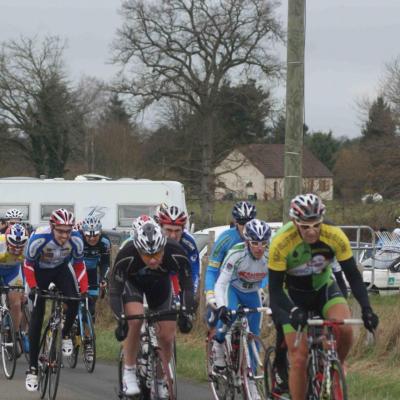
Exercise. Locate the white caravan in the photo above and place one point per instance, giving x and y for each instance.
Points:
(116, 202)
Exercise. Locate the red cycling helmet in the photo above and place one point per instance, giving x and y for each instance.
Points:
(62, 216)
(171, 216)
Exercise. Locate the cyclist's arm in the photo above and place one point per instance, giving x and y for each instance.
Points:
(29, 272)
(223, 281)
(355, 280)
(105, 258)
(279, 301)
(78, 263)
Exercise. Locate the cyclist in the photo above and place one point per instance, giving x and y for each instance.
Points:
(241, 275)
(96, 250)
(12, 245)
(54, 254)
(143, 267)
(300, 280)
(12, 216)
(242, 212)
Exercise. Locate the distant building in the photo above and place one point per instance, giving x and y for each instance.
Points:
(256, 171)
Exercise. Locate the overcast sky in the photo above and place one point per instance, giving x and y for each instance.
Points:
(347, 44)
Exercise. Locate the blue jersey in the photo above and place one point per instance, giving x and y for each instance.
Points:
(188, 243)
(224, 243)
(98, 256)
(44, 252)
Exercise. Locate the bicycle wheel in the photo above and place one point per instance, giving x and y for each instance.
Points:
(8, 345)
(269, 373)
(43, 362)
(171, 378)
(338, 388)
(76, 340)
(24, 329)
(55, 358)
(220, 381)
(89, 343)
(315, 375)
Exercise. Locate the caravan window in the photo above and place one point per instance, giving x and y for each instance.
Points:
(24, 208)
(127, 212)
(47, 209)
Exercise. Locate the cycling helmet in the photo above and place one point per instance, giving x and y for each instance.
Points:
(257, 230)
(149, 238)
(306, 207)
(16, 235)
(243, 211)
(13, 213)
(171, 216)
(140, 221)
(62, 216)
(91, 226)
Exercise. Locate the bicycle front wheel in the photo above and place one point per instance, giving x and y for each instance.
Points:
(55, 358)
(269, 373)
(338, 388)
(220, 380)
(8, 345)
(89, 343)
(43, 362)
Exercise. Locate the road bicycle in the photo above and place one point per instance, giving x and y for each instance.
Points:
(326, 379)
(83, 336)
(148, 361)
(272, 385)
(50, 353)
(244, 358)
(7, 334)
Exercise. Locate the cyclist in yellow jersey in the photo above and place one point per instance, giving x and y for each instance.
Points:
(301, 280)
(12, 245)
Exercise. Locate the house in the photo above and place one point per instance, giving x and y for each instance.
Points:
(256, 171)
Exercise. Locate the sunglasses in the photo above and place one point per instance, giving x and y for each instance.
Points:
(147, 257)
(256, 243)
(309, 226)
(63, 231)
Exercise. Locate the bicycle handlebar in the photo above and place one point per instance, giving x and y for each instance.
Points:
(8, 288)
(249, 310)
(334, 322)
(150, 315)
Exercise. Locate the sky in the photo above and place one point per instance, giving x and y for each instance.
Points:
(348, 43)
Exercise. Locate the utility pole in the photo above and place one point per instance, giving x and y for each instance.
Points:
(294, 103)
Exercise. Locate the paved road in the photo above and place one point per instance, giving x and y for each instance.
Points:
(77, 384)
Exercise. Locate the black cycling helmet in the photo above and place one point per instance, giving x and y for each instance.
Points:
(243, 211)
(306, 207)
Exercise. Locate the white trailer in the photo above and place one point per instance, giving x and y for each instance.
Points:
(116, 202)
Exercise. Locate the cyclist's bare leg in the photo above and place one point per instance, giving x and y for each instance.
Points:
(15, 300)
(131, 343)
(298, 365)
(345, 332)
(166, 331)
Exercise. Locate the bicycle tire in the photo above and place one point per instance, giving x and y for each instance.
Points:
(89, 339)
(26, 313)
(314, 376)
(55, 358)
(75, 337)
(8, 345)
(171, 378)
(338, 389)
(269, 373)
(43, 366)
(221, 386)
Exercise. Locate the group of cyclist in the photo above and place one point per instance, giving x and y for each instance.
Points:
(159, 265)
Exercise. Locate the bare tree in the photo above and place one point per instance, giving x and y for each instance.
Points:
(185, 49)
(37, 105)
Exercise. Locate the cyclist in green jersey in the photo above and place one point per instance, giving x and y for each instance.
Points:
(301, 280)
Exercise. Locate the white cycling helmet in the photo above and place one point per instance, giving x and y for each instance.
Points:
(149, 238)
(91, 226)
(14, 213)
(16, 235)
(306, 207)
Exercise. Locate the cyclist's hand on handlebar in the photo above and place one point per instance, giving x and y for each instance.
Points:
(370, 319)
(298, 318)
(224, 315)
(185, 322)
(121, 331)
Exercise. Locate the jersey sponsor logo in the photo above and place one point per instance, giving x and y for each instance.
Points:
(229, 266)
(187, 243)
(193, 258)
(315, 266)
(252, 276)
(34, 246)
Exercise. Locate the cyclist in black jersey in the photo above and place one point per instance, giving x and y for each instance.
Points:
(300, 280)
(143, 266)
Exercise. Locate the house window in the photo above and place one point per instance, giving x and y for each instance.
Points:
(324, 185)
(310, 185)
